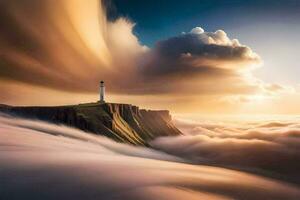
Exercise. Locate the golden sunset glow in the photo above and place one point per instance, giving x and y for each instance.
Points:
(73, 45)
(149, 100)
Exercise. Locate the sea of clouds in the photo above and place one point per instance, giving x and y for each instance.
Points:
(267, 147)
(39, 160)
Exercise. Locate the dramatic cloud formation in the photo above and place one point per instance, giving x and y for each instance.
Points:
(44, 161)
(68, 46)
(201, 62)
(271, 148)
(190, 52)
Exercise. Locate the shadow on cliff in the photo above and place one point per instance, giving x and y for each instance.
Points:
(120, 122)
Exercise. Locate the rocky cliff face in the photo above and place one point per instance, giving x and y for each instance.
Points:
(121, 122)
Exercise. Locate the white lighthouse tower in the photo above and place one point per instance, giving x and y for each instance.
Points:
(102, 91)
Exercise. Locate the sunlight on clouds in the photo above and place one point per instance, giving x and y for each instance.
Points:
(90, 23)
(198, 70)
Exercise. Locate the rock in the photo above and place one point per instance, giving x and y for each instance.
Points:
(121, 122)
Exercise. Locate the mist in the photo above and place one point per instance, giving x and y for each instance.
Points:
(263, 147)
(39, 160)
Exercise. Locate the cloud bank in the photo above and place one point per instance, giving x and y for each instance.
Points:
(270, 148)
(202, 62)
(45, 161)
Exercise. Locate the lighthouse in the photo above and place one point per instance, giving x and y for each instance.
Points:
(102, 91)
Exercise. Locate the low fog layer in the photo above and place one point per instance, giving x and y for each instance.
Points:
(271, 148)
(44, 161)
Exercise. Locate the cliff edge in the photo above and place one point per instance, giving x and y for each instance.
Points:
(121, 122)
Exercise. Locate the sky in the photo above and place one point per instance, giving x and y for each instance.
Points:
(259, 24)
(209, 57)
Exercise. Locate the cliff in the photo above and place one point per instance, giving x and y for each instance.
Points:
(121, 122)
